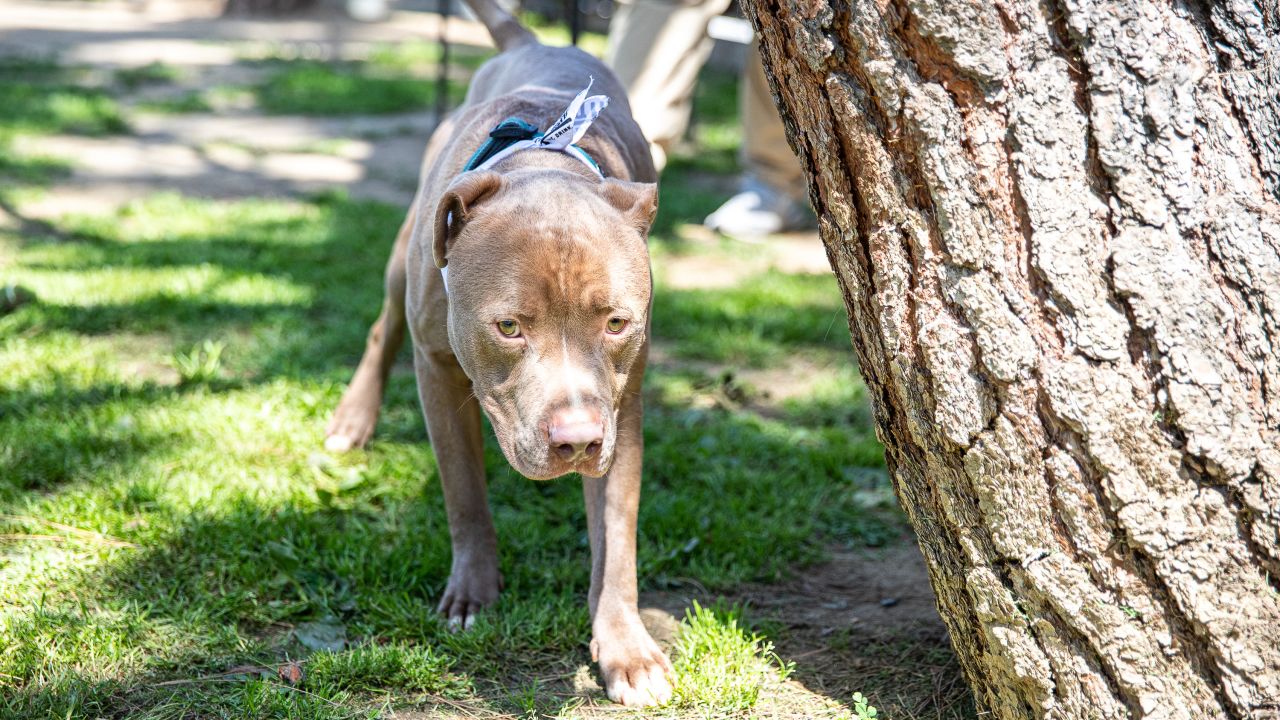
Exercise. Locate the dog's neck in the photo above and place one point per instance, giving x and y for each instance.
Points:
(565, 161)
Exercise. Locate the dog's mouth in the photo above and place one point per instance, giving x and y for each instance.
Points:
(552, 464)
(525, 446)
(549, 466)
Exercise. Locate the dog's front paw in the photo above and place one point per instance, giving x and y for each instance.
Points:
(471, 587)
(353, 421)
(634, 667)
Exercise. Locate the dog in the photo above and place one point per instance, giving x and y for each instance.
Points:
(522, 274)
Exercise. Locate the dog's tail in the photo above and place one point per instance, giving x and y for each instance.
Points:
(506, 31)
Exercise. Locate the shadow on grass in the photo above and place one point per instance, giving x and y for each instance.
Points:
(224, 568)
(773, 316)
(289, 290)
(64, 434)
(219, 589)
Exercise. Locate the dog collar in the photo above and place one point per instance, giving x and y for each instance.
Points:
(513, 135)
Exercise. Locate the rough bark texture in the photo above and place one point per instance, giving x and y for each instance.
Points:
(1057, 229)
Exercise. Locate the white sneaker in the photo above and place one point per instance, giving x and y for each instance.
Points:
(759, 210)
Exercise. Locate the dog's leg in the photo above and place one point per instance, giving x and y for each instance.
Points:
(353, 421)
(633, 666)
(453, 422)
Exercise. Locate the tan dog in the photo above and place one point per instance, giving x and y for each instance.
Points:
(525, 287)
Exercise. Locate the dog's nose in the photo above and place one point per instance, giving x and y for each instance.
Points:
(576, 433)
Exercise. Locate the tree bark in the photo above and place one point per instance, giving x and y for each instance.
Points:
(1057, 230)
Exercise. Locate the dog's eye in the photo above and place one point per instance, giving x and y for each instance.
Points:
(509, 328)
(615, 325)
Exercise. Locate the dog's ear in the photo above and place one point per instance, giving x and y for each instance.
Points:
(638, 202)
(457, 206)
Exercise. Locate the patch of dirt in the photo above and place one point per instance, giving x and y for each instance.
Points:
(110, 33)
(864, 621)
(207, 156)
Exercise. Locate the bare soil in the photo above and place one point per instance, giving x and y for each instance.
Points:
(864, 621)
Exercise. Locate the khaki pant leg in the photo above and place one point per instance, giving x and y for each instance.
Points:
(766, 154)
(657, 47)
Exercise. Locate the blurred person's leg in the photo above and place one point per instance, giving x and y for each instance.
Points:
(772, 197)
(657, 47)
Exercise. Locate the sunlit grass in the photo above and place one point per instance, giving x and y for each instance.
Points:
(214, 474)
(421, 57)
(754, 322)
(167, 517)
(40, 97)
(325, 89)
(39, 108)
(556, 32)
(719, 665)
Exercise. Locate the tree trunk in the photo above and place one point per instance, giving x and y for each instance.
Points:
(1057, 230)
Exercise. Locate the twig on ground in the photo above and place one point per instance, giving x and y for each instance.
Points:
(224, 677)
(80, 533)
(461, 707)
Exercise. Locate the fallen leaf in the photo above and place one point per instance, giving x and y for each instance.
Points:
(326, 634)
(291, 672)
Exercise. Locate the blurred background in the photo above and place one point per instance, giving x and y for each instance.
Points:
(197, 200)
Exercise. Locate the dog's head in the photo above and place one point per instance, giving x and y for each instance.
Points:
(548, 283)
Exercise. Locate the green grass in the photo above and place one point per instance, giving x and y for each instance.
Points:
(555, 32)
(420, 57)
(40, 97)
(715, 129)
(39, 108)
(393, 78)
(24, 169)
(168, 390)
(719, 664)
(168, 524)
(754, 322)
(306, 88)
(154, 73)
(381, 667)
(195, 101)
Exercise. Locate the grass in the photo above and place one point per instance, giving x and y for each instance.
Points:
(40, 97)
(154, 73)
(551, 31)
(189, 102)
(169, 388)
(718, 664)
(306, 88)
(392, 78)
(752, 324)
(169, 527)
(420, 57)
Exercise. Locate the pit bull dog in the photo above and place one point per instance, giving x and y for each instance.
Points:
(522, 274)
